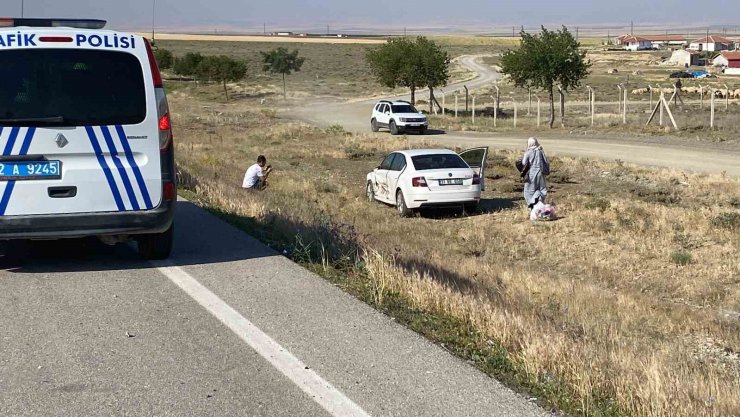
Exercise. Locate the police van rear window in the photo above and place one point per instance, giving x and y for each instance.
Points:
(68, 87)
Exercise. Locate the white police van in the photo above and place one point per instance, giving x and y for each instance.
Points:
(85, 136)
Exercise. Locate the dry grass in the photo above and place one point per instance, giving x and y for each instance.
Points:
(330, 71)
(636, 70)
(627, 305)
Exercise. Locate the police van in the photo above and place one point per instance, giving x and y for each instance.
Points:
(85, 136)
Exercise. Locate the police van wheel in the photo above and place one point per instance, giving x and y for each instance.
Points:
(156, 245)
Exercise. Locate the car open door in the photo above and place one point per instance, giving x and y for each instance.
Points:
(382, 192)
(476, 158)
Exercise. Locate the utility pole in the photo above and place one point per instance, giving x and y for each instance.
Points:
(154, 8)
(264, 29)
(22, 7)
(576, 33)
(327, 29)
(632, 27)
(513, 32)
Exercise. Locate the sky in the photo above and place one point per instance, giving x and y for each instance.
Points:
(430, 15)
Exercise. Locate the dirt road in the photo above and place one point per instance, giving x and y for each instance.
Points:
(661, 152)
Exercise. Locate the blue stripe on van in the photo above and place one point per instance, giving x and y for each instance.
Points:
(121, 169)
(6, 152)
(104, 166)
(132, 161)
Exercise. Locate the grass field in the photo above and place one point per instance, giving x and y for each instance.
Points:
(330, 70)
(627, 305)
(636, 70)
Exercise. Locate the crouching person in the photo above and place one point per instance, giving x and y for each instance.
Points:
(256, 176)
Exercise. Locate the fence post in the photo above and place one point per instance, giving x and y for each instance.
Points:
(701, 96)
(495, 110)
(711, 109)
(473, 108)
(529, 105)
(498, 95)
(466, 97)
(591, 103)
(619, 99)
(443, 101)
(455, 106)
(661, 104)
(650, 89)
(538, 110)
(727, 97)
(515, 111)
(624, 109)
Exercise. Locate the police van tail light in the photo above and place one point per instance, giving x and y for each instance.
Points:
(165, 132)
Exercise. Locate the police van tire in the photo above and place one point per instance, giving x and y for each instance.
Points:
(156, 245)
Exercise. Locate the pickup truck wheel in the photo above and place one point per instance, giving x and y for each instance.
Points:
(374, 125)
(393, 128)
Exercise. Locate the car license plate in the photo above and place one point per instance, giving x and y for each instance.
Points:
(30, 170)
(453, 181)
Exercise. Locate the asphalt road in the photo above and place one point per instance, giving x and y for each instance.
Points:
(227, 327)
(682, 154)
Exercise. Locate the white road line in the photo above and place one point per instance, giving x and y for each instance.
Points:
(321, 391)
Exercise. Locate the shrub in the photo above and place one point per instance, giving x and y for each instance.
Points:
(681, 257)
(598, 203)
(164, 58)
(729, 220)
(188, 64)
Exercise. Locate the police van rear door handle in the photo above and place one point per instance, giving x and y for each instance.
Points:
(62, 192)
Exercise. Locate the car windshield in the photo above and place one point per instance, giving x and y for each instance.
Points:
(70, 87)
(403, 108)
(438, 161)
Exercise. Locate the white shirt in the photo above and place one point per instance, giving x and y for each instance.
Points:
(252, 175)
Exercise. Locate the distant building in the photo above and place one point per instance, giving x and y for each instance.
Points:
(283, 34)
(662, 41)
(685, 57)
(712, 44)
(656, 41)
(727, 59)
(635, 43)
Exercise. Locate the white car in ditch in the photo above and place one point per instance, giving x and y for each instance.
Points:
(420, 178)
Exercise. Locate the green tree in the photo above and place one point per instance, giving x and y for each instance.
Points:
(393, 64)
(280, 61)
(164, 58)
(221, 69)
(435, 66)
(410, 63)
(188, 64)
(544, 60)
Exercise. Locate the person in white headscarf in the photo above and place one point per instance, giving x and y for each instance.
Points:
(534, 168)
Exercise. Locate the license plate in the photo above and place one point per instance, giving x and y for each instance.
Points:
(30, 170)
(454, 181)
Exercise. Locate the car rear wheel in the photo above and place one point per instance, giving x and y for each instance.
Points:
(393, 128)
(156, 245)
(403, 211)
(374, 125)
(370, 192)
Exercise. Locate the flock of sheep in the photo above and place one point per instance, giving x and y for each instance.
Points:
(719, 93)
